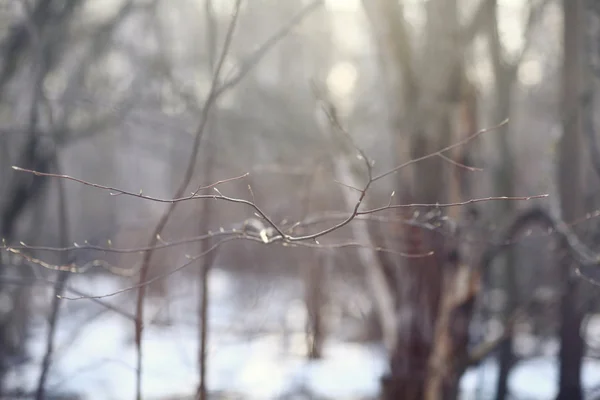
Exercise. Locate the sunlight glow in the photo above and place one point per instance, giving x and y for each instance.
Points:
(511, 21)
(341, 80)
(530, 73)
(343, 5)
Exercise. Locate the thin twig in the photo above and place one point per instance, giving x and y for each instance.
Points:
(460, 165)
(193, 259)
(79, 293)
(444, 150)
(456, 204)
(87, 246)
(117, 192)
(145, 283)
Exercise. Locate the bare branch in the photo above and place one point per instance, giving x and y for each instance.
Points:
(282, 236)
(362, 245)
(444, 150)
(460, 165)
(193, 259)
(86, 246)
(46, 282)
(72, 267)
(115, 191)
(145, 283)
(310, 220)
(457, 204)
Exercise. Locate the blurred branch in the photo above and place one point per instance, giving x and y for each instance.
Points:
(480, 19)
(100, 43)
(502, 66)
(535, 13)
(580, 252)
(388, 21)
(248, 237)
(143, 284)
(22, 36)
(253, 59)
(522, 222)
(110, 249)
(477, 22)
(47, 282)
(588, 99)
(481, 352)
(15, 44)
(589, 130)
(45, 37)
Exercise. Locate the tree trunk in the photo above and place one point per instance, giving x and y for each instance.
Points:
(435, 293)
(504, 175)
(570, 189)
(315, 301)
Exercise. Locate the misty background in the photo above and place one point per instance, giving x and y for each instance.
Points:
(305, 256)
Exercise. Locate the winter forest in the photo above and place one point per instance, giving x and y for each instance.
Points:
(299, 199)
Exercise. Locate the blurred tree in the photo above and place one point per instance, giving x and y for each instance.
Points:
(570, 184)
(428, 89)
(38, 52)
(39, 36)
(505, 69)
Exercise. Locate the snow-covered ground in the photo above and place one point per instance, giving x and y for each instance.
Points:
(95, 355)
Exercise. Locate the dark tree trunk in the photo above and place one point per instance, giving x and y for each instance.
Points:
(570, 184)
(571, 348)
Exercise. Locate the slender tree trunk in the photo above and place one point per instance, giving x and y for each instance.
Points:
(61, 280)
(205, 215)
(504, 184)
(315, 300)
(570, 189)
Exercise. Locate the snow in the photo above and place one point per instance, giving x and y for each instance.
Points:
(536, 378)
(96, 357)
